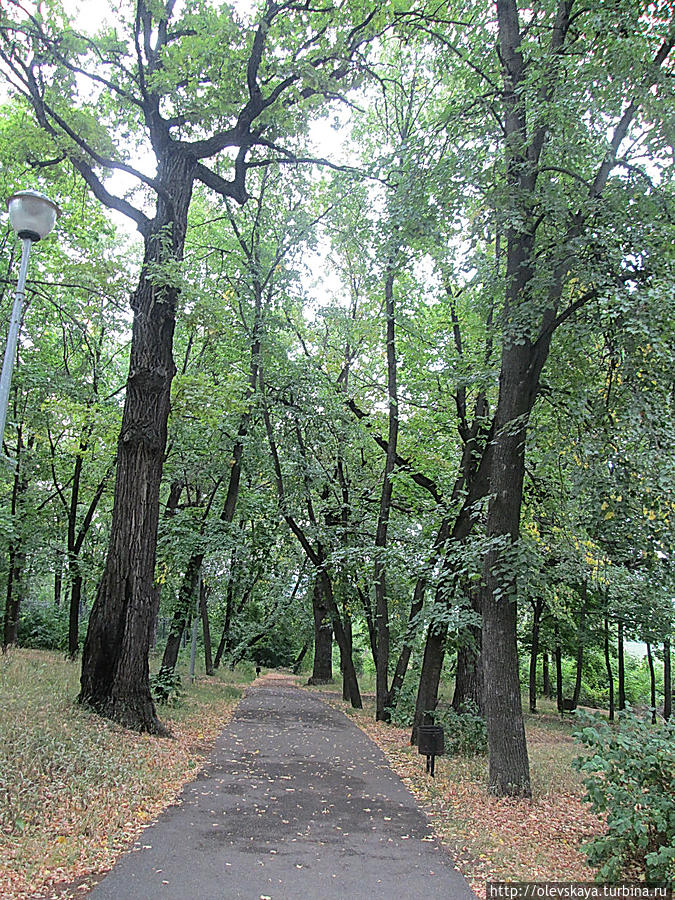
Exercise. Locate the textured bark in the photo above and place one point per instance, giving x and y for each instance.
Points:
(427, 692)
(322, 670)
(115, 675)
(558, 678)
(469, 685)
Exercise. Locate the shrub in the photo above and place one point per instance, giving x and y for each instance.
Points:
(166, 687)
(629, 775)
(465, 732)
(43, 626)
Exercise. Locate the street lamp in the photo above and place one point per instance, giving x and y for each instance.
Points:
(32, 216)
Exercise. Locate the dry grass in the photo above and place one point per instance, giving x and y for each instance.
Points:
(76, 790)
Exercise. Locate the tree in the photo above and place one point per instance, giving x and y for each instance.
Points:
(158, 80)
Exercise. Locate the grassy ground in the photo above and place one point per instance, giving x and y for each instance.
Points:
(75, 790)
(499, 840)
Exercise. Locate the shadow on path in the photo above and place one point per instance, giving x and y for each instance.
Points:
(295, 802)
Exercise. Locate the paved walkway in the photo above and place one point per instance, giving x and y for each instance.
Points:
(296, 803)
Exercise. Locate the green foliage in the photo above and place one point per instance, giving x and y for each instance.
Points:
(167, 687)
(465, 732)
(43, 627)
(630, 777)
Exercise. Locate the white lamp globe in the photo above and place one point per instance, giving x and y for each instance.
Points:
(32, 214)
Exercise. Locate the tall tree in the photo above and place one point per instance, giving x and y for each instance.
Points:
(157, 76)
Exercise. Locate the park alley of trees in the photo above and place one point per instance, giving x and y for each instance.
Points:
(383, 359)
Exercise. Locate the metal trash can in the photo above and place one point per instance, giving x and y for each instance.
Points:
(430, 743)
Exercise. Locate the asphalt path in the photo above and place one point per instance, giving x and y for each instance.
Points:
(295, 803)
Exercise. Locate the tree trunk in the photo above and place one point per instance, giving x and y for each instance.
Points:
(652, 682)
(58, 582)
(622, 670)
(509, 773)
(115, 675)
(610, 675)
(16, 556)
(581, 641)
(322, 670)
(382, 711)
(204, 612)
(350, 641)
(299, 658)
(469, 678)
(558, 678)
(74, 606)
(182, 613)
(432, 664)
(667, 682)
(546, 676)
(537, 609)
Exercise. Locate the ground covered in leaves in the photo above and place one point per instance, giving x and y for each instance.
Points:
(76, 790)
(494, 839)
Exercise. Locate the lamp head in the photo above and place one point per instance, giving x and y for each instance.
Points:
(32, 214)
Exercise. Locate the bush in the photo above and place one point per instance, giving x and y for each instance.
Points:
(43, 627)
(465, 732)
(630, 776)
(166, 687)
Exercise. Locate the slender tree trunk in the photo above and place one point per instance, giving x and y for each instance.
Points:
(432, 664)
(204, 612)
(537, 609)
(58, 583)
(558, 678)
(74, 606)
(182, 613)
(622, 670)
(581, 640)
(667, 682)
(652, 682)
(382, 712)
(610, 675)
(115, 675)
(546, 676)
(16, 556)
(300, 657)
(350, 641)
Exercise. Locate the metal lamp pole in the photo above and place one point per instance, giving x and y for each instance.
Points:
(32, 216)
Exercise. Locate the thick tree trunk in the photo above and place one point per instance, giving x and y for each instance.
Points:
(115, 674)
(621, 667)
(322, 670)
(469, 677)
(537, 610)
(509, 765)
(610, 675)
(667, 681)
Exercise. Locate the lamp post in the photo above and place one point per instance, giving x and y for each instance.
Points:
(32, 216)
